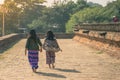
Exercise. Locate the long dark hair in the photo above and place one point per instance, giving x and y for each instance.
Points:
(33, 35)
(50, 35)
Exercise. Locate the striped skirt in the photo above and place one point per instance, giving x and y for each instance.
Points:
(33, 58)
(50, 57)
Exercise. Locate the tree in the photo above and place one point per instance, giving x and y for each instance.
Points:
(88, 15)
(22, 13)
(5, 9)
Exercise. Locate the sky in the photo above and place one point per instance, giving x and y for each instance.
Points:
(1, 1)
(102, 2)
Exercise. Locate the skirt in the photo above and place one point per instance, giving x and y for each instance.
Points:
(50, 57)
(33, 58)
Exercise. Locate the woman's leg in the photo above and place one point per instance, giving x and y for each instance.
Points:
(53, 66)
(34, 70)
(49, 66)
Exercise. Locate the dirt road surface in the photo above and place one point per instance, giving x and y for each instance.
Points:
(76, 62)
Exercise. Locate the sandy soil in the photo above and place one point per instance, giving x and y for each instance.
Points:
(76, 62)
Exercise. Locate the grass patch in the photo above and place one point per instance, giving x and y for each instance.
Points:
(99, 52)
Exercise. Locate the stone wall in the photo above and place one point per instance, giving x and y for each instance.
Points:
(106, 39)
(58, 35)
(9, 40)
(112, 27)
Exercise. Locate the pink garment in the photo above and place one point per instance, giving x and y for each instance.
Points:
(115, 19)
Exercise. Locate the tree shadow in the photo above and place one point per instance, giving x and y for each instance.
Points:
(68, 70)
(51, 75)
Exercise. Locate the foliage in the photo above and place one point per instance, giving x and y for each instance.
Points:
(20, 13)
(88, 15)
(95, 14)
(61, 17)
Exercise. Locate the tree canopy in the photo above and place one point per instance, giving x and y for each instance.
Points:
(60, 17)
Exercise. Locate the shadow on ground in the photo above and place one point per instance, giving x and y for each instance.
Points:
(51, 75)
(68, 70)
(6, 47)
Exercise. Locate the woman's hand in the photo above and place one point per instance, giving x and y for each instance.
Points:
(25, 52)
(40, 49)
(61, 50)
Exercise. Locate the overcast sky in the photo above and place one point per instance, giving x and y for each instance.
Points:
(102, 2)
(1, 1)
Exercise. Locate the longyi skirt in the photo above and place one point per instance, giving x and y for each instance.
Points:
(50, 57)
(33, 58)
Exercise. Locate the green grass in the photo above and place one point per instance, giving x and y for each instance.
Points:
(99, 52)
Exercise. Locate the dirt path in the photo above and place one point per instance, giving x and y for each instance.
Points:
(76, 62)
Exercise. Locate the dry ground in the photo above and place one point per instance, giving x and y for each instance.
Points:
(76, 62)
